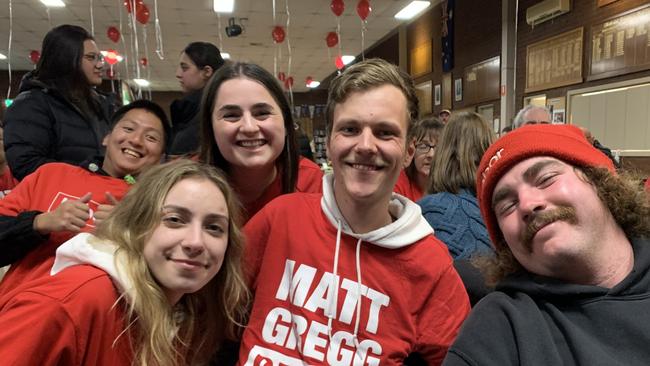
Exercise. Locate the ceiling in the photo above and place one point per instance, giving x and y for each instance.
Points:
(184, 21)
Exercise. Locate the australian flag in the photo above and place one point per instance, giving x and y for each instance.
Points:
(447, 35)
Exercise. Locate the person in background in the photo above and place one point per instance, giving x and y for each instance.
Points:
(59, 200)
(573, 256)
(530, 115)
(413, 180)
(247, 130)
(160, 283)
(7, 180)
(444, 116)
(58, 115)
(353, 275)
(198, 62)
(451, 207)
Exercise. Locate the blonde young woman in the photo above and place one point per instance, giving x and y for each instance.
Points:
(158, 284)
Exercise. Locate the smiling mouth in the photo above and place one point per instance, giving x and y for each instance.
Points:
(187, 263)
(132, 153)
(365, 167)
(251, 143)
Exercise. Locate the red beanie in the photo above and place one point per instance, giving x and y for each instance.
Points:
(563, 142)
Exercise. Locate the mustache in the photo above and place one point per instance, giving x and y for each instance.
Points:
(543, 218)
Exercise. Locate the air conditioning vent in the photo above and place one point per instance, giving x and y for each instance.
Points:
(546, 10)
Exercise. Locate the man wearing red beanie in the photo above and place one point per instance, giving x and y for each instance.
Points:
(573, 256)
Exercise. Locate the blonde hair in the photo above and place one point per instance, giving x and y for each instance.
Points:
(458, 152)
(160, 334)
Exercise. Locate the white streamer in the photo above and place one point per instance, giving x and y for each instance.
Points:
(363, 39)
(219, 32)
(11, 33)
(159, 41)
(286, 3)
(126, 55)
(92, 20)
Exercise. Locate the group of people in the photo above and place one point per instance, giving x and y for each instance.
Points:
(118, 258)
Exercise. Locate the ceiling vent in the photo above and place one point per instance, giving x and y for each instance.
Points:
(546, 10)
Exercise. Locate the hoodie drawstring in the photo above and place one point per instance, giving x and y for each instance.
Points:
(333, 294)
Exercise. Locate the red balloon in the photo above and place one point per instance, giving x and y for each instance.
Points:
(281, 76)
(34, 56)
(339, 62)
(113, 34)
(288, 82)
(278, 34)
(144, 62)
(111, 57)
(142, 14)
(337, 7)
(332, 39)
(363, 9)
(138, 3)
(308, 80)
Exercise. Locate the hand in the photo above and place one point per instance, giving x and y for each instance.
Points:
(71, 215)
(103, 210)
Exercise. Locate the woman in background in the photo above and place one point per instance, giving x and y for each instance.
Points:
(247, 130)
(451, 207)
(198, 62)
(159, 284)
(58, 115)
(412, 181)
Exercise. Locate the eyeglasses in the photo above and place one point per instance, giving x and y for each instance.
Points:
(94, 57)
(423, 147)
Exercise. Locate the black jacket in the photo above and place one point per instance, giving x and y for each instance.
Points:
(534, 320)
(185, 124)
(41, 126)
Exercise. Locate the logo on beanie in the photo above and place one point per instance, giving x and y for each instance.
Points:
(493, 160)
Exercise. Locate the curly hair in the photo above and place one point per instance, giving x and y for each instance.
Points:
(621, 193)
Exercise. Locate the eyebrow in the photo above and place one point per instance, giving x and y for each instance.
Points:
(529, 175)
(185, 211)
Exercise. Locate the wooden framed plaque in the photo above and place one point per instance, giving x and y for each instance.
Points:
(620, 45)
(421, 59)
(555, 61)
(482, 81)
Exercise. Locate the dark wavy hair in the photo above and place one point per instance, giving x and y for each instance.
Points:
(625, 198)
(60, 65)
(287, 162)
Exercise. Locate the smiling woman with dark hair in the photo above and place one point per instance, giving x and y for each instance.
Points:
(58, 115)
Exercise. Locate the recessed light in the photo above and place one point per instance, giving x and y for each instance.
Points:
(53, 3)
(347, 59)
(225, 55)
(412, 9)
(2, 57)
(313, 84)
(223, 6)
(142, 82)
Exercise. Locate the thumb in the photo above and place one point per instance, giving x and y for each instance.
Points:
(111, 199)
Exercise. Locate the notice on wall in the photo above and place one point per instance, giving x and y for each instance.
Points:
(620, 45)
(482, 81)
(555, 61)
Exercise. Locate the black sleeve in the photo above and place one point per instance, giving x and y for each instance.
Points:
(18, 237)
(28, 134)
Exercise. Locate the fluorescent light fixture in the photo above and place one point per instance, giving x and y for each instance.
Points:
(225, 55)
(53, 3)
(313, 84)
(2, 57)
(142, 82)
(223, 6)
(613, 90)
(412, 9)
(347, 59)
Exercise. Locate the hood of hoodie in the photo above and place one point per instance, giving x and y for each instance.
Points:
(29, 82)
(86, 248)
(409, 226)
(636, 282)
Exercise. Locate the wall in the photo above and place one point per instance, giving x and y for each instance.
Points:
(583, 13)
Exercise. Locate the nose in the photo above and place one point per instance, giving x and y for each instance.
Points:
(136, 138)
(179, 74)
(248, 124)
(531, 203)
(366, 142)
(192, 243)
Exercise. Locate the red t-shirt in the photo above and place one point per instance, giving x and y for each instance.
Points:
(407, 188)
